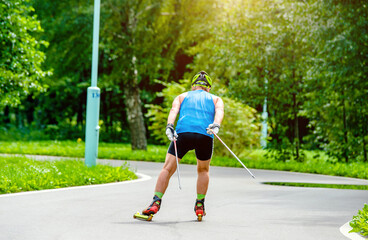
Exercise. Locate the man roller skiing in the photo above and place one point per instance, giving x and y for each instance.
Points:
(199, 110)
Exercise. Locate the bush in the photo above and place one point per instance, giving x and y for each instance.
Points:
(12, 133)
(360, 221)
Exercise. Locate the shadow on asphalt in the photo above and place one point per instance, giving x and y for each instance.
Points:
(133, 222)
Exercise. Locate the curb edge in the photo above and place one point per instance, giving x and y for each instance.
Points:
(344, 229)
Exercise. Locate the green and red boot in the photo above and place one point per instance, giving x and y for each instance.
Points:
(154, 207)
(199, 209)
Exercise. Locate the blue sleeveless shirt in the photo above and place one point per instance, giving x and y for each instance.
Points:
(197, 111)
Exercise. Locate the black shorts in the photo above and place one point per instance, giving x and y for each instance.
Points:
(202, 144)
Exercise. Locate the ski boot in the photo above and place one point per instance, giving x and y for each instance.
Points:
(147, 214)
(199, 210)
(154, 207)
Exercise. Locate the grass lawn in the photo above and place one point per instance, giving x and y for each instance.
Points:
(18, 174)
(251, 158)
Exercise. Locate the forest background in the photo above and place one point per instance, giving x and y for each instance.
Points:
(307, 58)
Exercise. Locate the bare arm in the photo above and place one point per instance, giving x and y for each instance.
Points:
(174, 110)
(219, 111)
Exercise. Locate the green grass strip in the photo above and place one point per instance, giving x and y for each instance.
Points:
(319, 185)
(19, 174)
(251, 158)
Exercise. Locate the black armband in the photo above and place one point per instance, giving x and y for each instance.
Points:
(170, 125)
(216, 125)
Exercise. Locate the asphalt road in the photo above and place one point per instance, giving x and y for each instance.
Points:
(237, 206)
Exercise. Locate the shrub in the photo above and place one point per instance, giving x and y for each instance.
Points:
(360, 221)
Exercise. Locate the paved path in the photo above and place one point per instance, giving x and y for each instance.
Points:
(238, 207)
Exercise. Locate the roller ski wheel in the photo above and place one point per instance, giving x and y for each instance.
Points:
(199, 210)
(143, 217)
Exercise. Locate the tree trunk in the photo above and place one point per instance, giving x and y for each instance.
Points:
(80, 117)
(345, 131)
(6, 115)
(105, 109)
(364, 149)
(132, 96)
(110, 114)
(364, 126)
(30, 110)
(19, 118)
(295, 109)
(135, 118)
(296, 128)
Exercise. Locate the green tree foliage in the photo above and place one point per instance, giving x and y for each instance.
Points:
(264, 50)
(308, 58)
(128, 41)
(240, 128)
(337, 79)
(140, 40)
(68, 28)
(21, 54)
(60, 110)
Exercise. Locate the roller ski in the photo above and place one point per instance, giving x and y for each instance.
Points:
(142, 217)
(147, 214)
(199, 209)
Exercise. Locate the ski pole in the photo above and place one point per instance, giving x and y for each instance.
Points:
(177, 162)
(233, 153)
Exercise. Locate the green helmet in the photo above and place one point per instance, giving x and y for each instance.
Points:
(202, 79)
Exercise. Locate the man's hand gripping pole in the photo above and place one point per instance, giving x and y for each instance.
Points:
(232, 153)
